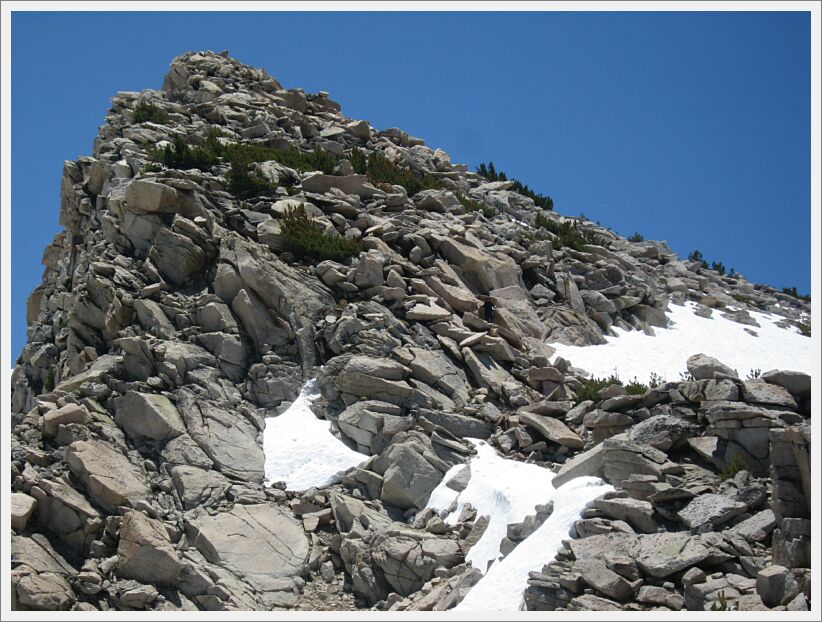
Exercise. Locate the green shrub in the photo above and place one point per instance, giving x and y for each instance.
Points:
(636, 388)
(568, 234)
(636, 237)
(491, 174)
(721, 604)
(719, 267)
(317, 160)
(381, 170)
(592, 386)
(359, 162)
(697, 256)
(243, 184)
(48, 382)
(180, 155)
(476, 206)
(145, 111)
(791, 291)
(305, 238)
(152, 167)
(737, 464)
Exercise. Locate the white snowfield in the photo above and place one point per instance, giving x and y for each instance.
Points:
(300, 449)
(503, 586)
(635, 355)
(504, 490)
(507, 491)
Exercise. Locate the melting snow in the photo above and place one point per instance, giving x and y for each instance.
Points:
(504, 490)
(503, 586)
(633, 354)
(507, 491)
(300, 449)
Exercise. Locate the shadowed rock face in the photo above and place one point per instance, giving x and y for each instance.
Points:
(178, 311)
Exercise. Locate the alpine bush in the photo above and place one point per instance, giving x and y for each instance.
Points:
(180, 155)
(145, 111)
(491, 174)
(381, 170)
(243, 184)
(568, 234)
(471, 205)
(305, 238)
(736, 464)
(592, 386)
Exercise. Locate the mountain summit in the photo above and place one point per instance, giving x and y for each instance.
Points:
(280, 359)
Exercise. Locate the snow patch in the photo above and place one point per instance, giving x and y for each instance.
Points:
(633, 354)
(503, 586)
(504, 490)
(300, 449)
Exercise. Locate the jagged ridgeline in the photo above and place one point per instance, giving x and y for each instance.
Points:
(282, 360)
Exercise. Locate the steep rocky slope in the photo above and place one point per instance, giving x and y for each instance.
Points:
(180, 307)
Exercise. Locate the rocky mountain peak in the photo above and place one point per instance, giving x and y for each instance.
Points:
(251, 288)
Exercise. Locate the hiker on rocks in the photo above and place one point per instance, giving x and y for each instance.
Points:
(488, 309)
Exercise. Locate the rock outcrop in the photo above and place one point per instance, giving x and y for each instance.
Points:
(180, 308)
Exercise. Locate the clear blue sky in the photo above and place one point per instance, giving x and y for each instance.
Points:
(688, 127)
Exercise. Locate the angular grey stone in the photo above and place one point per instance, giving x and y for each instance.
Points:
(145, 552)
(374, 378)
(149, 416)
(596, 574)
(227, 438)
(757, 527)
(259, 543)
(22, 505)
(773, 585)
(258, 321)
(797, 383)
(430, 312)
(372, 424)
(111, 480)
(349, 184)
(761, 392)
(66, 513)
(177, 257)
(460, 426)
(703, 367)
(70, 413)
(639, 514)
(588, 463)
(663, 554)
(410, 470)
(552, 429)
(198, 487)
(663, 432)
(153, 318)
(150, 196)
(183, 450)
(483, 270)
(710, 509)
